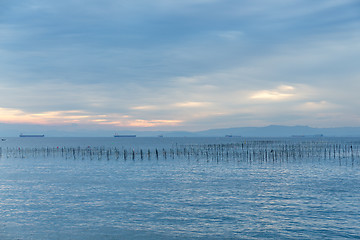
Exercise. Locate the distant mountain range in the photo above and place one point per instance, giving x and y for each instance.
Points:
(272, 131)
(268, 131)
(283, 131)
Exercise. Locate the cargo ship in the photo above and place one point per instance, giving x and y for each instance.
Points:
(120, 135)
(31, 135)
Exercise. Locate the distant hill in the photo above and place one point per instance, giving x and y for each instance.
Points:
(13, 130)
(283, 131)
(268, 131)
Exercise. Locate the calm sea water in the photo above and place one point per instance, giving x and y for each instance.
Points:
(52, 197)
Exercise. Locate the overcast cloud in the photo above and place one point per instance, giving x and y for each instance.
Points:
(189, 65)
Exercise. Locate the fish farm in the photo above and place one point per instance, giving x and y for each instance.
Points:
(245, 151)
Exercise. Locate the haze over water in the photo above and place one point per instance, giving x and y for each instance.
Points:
(189, 196)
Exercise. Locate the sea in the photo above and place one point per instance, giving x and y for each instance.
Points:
(179, 188)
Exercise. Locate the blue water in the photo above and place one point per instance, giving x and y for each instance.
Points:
(174, 198)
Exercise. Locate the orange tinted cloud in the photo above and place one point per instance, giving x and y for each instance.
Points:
(8, 115)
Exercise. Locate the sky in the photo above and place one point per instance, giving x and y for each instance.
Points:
(179, 64)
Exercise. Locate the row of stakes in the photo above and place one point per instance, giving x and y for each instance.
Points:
(246, 151)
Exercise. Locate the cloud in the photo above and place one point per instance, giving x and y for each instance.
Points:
(57, 118)
(9, 115)
(317, 106)
(145, 107)
(230, 35)
(192, 104)
(280, 93)
(181, 64)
